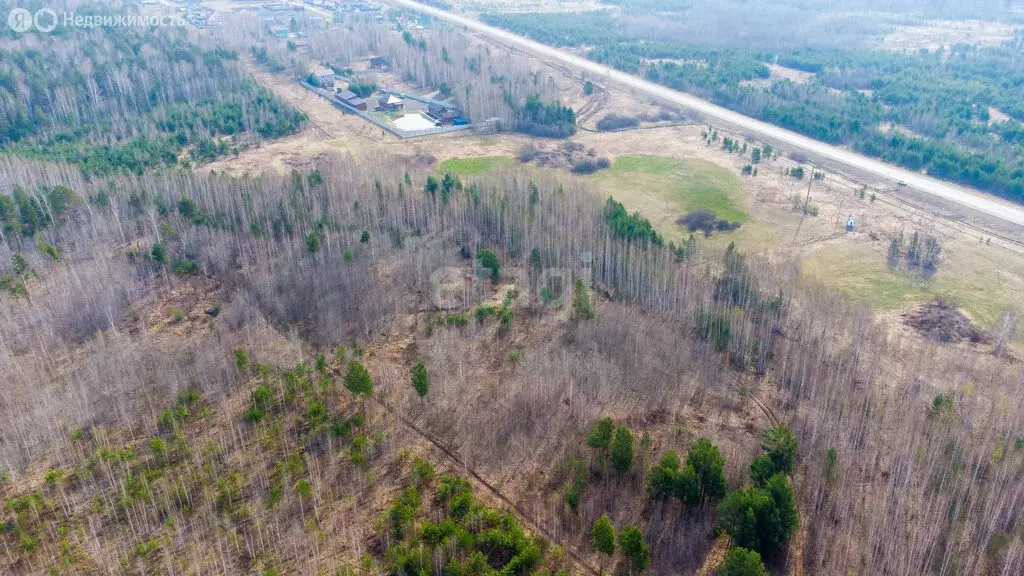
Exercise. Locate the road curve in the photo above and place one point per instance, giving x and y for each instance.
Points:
(979, 201)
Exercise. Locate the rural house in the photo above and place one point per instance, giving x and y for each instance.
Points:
(321, 76)
(352, 99)
(390, 103)
(442, 114)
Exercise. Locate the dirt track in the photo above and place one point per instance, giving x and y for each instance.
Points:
(984, 203)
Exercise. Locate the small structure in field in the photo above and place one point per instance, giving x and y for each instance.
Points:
(378, 63)
(390, 103)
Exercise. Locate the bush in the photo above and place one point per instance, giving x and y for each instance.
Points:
(590, 165)
(489, 260)
(363, 90)
(158, 253)
(186, 267)
(241, 359)
(528, 153)
(742, 562)
(616, 122)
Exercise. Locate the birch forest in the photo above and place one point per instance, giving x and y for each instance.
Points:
(368, 366)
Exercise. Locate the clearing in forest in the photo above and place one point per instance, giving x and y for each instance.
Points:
(473, 166)
(663, 189)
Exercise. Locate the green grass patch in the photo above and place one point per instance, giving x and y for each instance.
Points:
(474, 166)
(681, 185)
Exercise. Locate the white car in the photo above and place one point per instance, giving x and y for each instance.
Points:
(901, 182)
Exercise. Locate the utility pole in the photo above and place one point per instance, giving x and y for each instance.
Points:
(810, 182)
(807, 201)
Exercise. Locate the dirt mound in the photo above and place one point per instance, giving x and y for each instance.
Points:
(943, 322)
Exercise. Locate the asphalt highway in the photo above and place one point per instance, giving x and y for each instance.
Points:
(979, 201)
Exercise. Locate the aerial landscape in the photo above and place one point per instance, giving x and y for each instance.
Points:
(516, 288)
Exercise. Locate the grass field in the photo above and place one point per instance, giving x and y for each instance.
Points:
(972, 275)
(474, 166)
(682, 185)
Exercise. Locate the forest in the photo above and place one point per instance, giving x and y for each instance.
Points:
(367, 365)
(251, 395)
(125, 99)
(941, 99)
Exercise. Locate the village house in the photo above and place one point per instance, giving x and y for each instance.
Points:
(352, 99)
(321, 76)
(441, 113)
(390, 103)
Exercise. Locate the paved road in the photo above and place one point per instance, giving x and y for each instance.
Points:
(979, 201)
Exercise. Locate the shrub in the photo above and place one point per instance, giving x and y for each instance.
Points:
(241, 359)
(313, 242)
(590, 165)
(186, 267)
(158, 253)
(742, 562)
(528, 153)
(617, 122)
(489, 260)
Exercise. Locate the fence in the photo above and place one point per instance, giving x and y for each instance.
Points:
(383, 124)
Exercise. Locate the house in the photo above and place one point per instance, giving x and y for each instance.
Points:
(280, 33)
(390, 103)
(378, 63)
(322, 76)
(441, 113)
(352, 99)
